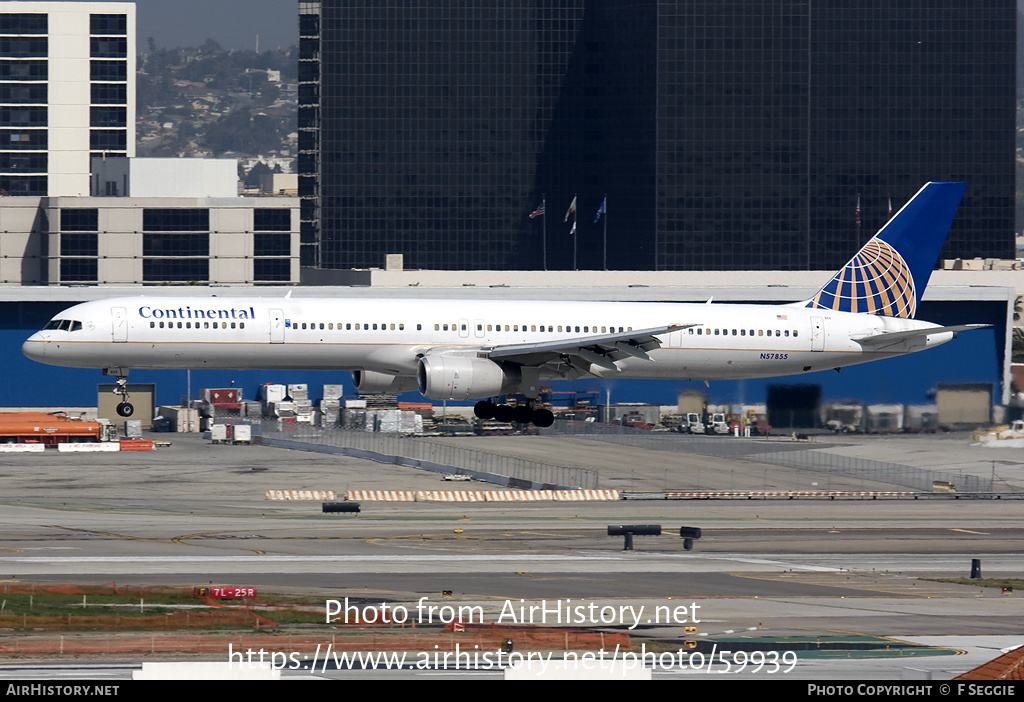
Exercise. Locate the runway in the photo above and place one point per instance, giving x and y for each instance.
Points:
(197, 514)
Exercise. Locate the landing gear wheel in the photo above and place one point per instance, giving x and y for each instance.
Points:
(522, 414)
(504, 413)
(484, 409)
(125, 409)
(543, 418)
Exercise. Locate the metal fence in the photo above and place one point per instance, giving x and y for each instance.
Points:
(526, 473)
(432, 455)
(780, 453)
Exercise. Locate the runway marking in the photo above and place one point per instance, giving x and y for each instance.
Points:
(968, 531)
(777, 564)
(849, 585)
(295, 559)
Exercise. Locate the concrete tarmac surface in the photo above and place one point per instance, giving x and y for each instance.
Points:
(197, 513)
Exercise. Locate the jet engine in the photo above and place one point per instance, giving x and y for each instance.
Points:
(445, 377)
(373, 383)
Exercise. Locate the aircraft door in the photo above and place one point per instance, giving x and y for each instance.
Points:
(817, 334)
(276, 327)
(478, 327)
(464, 328)
(119, 321)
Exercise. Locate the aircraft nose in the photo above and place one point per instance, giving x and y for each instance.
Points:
(34, 347)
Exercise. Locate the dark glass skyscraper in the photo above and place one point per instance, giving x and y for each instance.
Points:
(725, 134)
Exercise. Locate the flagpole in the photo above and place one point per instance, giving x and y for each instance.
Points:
(575, 235)
(544, 229)
(572, 231)
(604, 206)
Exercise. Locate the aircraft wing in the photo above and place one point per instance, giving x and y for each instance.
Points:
(602, 351)
(887, 338)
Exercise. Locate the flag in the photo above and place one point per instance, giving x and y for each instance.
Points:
(573, 229)
(857, 212)
(539, 212)
(890, 206)
(571, 210)
(601, 210)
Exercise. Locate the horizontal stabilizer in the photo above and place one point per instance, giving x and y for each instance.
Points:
(886, 338)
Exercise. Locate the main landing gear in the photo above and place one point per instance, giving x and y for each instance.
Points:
(523, 414)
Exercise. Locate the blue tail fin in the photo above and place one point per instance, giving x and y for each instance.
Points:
(888, 276)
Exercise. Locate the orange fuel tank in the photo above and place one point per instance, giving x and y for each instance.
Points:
(44, 428)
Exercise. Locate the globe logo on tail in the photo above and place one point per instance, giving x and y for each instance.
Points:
(875, 281)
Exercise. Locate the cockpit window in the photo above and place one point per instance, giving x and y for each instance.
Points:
(63, 325)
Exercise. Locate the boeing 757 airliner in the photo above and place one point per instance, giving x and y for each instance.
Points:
(483, 349)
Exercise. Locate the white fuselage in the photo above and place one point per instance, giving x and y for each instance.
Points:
(389, 336)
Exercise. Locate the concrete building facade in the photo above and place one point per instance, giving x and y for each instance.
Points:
(67, 92)
(149, 241)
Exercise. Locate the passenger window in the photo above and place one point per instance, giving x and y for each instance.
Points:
(787, 332)
(152, 325)
(794, 332)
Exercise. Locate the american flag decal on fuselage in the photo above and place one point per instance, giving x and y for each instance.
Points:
(876, 281)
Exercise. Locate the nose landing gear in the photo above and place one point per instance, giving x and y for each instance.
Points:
(124, 408)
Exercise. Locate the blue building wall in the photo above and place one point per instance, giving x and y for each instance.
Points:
(975, 357)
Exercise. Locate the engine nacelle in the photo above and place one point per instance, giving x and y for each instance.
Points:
(374, 383)
(465, 378)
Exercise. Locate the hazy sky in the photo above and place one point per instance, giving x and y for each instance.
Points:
(234, 24)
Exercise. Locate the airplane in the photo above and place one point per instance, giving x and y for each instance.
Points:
(484, 349)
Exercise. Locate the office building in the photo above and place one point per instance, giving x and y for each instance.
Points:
(149, 241)
(738, 134)
(67, 92)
